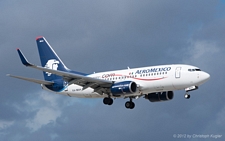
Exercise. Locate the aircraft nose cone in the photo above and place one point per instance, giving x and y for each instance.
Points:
(205, 76)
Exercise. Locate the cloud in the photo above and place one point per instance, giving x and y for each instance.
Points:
(43, 117)
(199, 49)
(201, 52)
(5, 124)
(221, 117)
(46, 110)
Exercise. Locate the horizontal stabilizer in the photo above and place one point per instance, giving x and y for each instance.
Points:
(32, 80)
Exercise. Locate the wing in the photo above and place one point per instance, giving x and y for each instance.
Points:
(32, 80)
(99, 85)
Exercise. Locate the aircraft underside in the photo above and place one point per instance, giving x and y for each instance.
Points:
(151, 95)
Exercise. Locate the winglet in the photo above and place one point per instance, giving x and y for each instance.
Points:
(23, 59)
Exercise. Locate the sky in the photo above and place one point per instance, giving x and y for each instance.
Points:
(101, 35)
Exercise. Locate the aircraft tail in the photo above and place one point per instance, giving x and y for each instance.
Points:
(49, 59)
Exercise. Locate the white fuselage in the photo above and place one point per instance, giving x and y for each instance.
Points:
(148, 79)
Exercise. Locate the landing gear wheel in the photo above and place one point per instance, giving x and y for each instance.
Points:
(108, 101)
(129, 105)
(132, 105)
(187, 96)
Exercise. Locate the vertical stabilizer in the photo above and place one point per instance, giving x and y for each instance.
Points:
(49, 59)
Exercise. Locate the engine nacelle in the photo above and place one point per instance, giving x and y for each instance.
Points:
(160, 96)
(126, 87)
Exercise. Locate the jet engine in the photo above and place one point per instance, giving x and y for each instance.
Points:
(159, 96)
(125, 87)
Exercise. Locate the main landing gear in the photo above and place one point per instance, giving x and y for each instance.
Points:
(130, 104)
(108, 101)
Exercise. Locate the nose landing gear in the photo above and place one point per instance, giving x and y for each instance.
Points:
(187, 96)
(192, 88)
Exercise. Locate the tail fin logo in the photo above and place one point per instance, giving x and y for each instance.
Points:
(51, 64)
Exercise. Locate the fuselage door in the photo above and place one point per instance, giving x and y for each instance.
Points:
(177, 72)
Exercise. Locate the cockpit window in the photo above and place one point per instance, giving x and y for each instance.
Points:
(194, 70)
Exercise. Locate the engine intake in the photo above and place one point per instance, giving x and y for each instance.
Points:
(125, 87)
(160, 96)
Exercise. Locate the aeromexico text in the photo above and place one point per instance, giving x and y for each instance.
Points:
(140, 71)
(153, 70)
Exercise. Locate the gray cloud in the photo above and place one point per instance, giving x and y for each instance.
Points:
(105, 35)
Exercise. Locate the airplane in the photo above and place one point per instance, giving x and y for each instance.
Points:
(154, 83)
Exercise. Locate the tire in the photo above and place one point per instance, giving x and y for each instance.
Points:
(129, 105)
(108, 101)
